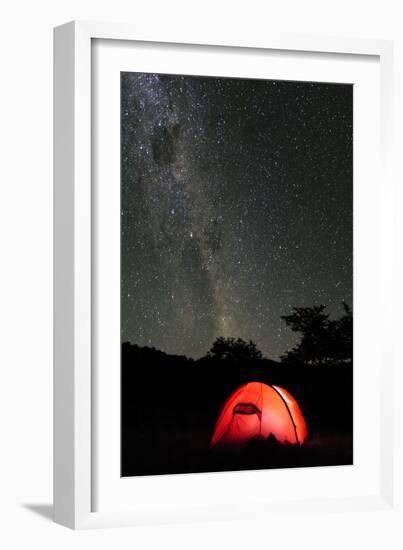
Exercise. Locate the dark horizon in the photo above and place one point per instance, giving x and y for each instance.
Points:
(280, 359)
(236, 207)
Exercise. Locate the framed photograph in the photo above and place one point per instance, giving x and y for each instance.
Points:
(223, 268)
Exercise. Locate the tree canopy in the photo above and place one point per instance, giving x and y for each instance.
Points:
(323, 341)
(234, 349)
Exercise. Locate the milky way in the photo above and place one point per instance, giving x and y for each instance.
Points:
(236, 206)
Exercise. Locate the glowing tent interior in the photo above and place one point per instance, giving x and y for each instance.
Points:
(256, 411)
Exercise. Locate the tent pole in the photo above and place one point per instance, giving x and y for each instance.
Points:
(289, 412)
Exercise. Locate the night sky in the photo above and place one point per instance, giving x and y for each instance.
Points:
(236, 206)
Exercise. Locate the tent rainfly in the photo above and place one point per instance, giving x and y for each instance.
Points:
(256, 411)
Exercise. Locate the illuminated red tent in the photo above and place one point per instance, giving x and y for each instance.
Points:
(256, 410)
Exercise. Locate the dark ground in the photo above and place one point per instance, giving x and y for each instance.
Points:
(170, 405)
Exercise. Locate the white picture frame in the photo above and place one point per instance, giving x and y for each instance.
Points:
(75, 388)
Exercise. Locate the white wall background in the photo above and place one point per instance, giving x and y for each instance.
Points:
(26, 256)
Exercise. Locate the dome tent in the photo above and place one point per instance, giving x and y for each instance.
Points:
(257, 411)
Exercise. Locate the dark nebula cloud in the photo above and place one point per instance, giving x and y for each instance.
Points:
(236, 206)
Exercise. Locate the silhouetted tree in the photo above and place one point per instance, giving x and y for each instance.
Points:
(323, 340)
(343, 335)
(234, 349)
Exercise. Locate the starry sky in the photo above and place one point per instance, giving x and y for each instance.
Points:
(236, 206)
